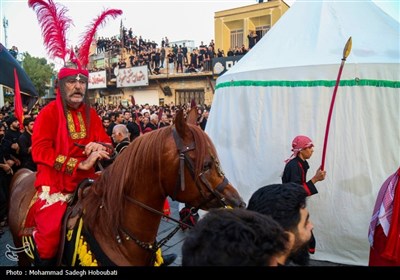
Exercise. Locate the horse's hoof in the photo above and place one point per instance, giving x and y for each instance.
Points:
(168, 259)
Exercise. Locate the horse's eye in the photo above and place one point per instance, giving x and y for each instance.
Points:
(207, 165)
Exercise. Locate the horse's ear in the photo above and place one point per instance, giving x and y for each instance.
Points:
(191, 117)
(180, 123)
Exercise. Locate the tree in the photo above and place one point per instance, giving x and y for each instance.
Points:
(39, 71)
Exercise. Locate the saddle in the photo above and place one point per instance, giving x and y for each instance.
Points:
(70, 220)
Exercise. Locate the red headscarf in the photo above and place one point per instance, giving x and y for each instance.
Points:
(300, 142)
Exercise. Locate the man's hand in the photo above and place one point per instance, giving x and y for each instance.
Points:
(319, 176)
(94, 147)
(92, 159)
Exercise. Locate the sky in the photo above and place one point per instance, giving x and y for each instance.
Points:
(153, 19)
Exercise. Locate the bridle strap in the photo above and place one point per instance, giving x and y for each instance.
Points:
(184, 158)
(141, 204)
(182, 149)
(218, 190)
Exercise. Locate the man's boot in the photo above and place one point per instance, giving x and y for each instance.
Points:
(168, 259)
(44, 262)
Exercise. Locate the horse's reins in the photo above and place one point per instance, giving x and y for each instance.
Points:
(111, 147)
(183, 159)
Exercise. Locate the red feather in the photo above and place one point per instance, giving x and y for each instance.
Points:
(54, 25)
(90, 32)
(133, 101)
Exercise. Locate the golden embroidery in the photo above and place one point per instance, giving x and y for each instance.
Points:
(71, 165)
(71, 126)
(59, 162)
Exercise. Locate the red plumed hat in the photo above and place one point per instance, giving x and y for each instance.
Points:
(55, 24)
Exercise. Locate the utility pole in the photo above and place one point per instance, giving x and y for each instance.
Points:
(5, 26)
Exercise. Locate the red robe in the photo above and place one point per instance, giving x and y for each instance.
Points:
(57, 170)
(57, 158)
(386, 249)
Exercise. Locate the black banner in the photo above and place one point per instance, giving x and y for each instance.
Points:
(222, 64)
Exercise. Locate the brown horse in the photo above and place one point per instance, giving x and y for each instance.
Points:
(121, 208)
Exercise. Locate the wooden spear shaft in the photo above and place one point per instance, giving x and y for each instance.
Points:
(346, 53)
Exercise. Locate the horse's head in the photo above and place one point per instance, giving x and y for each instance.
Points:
(125, 203)
(201, 182)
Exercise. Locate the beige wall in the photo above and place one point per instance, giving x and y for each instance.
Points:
(153, 93)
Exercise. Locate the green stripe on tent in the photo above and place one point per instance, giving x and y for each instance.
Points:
(320, 83)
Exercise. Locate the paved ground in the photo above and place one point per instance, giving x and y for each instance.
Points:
(166, 227)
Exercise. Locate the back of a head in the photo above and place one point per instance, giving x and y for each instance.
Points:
(122, 129)
(233, 237)
(281, 201)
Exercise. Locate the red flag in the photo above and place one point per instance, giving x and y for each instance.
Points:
(18, 112)
(133, 101)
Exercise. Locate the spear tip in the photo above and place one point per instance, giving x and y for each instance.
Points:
(347, 48)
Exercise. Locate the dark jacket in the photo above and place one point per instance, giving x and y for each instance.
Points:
(296, 172)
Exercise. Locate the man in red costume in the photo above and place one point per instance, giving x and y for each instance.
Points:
(384, 229)
(62, 128)
(61, 163)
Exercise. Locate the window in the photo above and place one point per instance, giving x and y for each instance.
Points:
(261, 31)
(186, 96)
(236, 38)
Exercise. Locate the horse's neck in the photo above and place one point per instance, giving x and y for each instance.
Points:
(140, 226)
(144, 222)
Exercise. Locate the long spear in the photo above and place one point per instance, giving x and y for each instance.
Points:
(346, 52)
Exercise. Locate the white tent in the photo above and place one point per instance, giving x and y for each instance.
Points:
(283, 87)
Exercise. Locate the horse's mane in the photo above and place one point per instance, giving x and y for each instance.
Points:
(132, 169)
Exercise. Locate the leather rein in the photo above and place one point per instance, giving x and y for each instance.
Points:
(184, 160)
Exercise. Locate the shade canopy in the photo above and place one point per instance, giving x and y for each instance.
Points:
(7, 65)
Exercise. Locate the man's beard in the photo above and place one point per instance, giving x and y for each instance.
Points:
(300, 256)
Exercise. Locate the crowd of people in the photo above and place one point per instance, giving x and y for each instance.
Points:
(177, 58)
(121, 124)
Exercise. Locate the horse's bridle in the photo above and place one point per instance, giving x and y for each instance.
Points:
(184, 159)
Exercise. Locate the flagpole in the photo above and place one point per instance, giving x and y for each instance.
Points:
(346, 53)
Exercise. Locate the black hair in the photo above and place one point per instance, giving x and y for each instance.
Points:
(281, 201)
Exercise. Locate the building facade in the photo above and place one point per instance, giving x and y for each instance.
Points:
(234, 25)
(231, 30)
